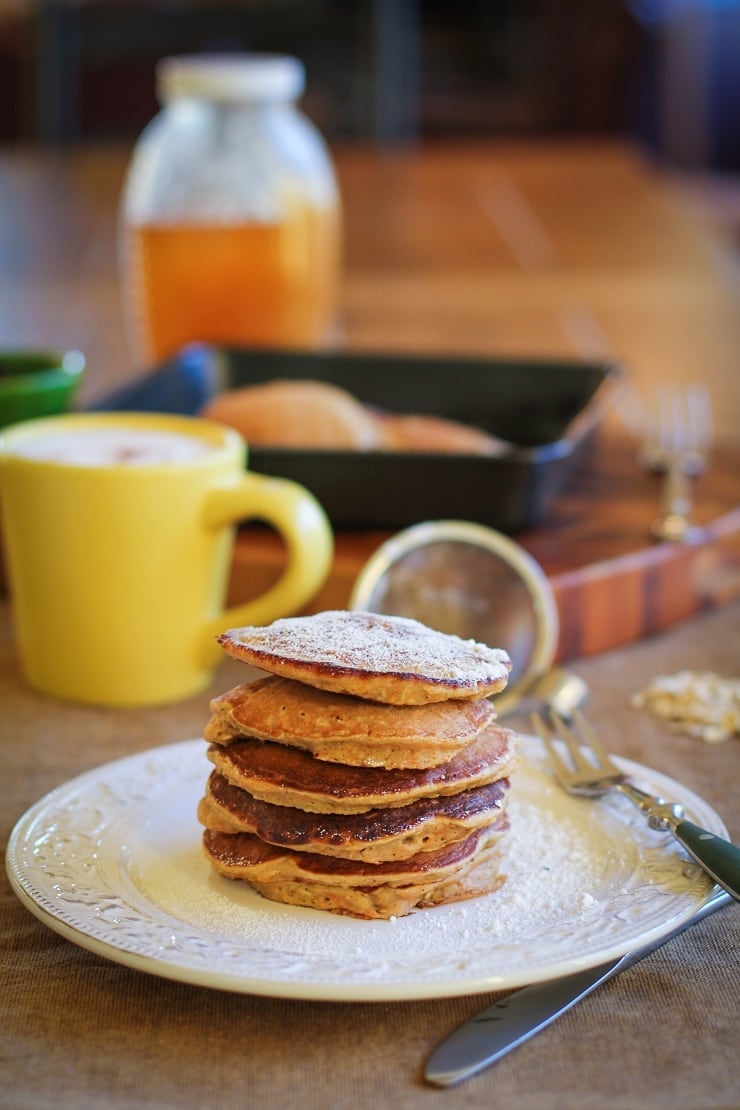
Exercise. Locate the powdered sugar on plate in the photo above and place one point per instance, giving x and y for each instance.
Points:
(552, 860)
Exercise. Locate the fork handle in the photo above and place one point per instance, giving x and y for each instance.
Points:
(717, 856)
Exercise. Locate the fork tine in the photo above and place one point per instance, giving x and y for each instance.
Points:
(670, 421)
(569, 738)
(592, 740)
(559, 764)
(590, 770)
(685, 424)
(677, 425)
(699, 424)
(578, 761)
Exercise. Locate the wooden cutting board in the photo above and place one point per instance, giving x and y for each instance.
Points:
(612, 583)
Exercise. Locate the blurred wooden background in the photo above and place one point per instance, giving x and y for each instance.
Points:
(396, 70)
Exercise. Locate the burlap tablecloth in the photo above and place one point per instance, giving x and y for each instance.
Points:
(81, 1031)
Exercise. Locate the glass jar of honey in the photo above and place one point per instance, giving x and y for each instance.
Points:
(230, 220)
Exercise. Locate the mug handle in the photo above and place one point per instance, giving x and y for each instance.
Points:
(299, 518)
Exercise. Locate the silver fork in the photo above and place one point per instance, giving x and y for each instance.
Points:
(588, 771)
(676, 441)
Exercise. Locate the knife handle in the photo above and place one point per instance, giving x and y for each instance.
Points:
(717, 856)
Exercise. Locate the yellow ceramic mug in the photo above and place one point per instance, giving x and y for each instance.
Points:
(118, 533)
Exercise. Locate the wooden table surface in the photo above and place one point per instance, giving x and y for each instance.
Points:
(568, 250)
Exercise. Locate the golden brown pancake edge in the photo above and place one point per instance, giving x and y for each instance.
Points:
(375, 837)
(342, 728)
(291, 777)
(462, 870)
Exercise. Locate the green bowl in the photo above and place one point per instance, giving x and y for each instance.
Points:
(37, 383)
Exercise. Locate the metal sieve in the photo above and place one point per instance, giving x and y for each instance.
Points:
(472, 581)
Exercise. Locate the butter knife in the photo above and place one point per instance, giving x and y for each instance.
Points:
(485, 1038)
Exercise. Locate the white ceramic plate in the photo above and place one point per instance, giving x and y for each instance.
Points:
(112, 861)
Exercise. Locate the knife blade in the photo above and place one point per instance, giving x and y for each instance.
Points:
(482, 1040)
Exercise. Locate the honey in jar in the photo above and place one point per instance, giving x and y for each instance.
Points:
(230, 223)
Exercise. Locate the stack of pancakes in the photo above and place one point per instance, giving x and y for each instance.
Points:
(366, 774)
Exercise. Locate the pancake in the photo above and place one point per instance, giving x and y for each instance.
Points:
(388, 659)
(341, 728)
(379, 836)
(286, 776)
(466, 869)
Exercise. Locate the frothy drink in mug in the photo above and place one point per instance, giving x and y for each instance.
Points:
(113, 447)
(118, 531)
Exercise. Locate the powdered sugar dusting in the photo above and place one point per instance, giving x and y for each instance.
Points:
(550, 869)
(376, 644)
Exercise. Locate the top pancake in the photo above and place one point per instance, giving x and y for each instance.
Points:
(382, 658)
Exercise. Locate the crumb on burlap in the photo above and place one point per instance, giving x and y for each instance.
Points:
(697, 703)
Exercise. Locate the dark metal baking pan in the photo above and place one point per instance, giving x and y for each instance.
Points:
(546, 409)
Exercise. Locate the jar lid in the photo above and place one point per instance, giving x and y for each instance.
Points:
(236, 77)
